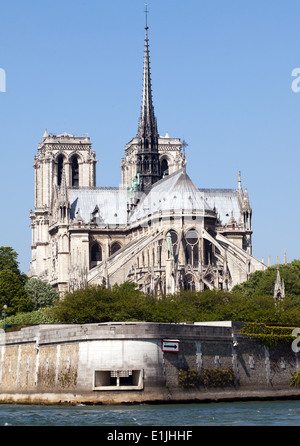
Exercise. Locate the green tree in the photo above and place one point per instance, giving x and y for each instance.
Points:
(8, 260)
(42, 294)
(13, 293)
(262, 282)
(12, 281)
(98, 304)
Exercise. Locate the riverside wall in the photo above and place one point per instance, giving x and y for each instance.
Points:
(113, 363)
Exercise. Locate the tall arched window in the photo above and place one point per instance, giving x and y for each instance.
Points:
(174, 240)
(75, 172)
(192, 247)
(60, 166)
(96, 254)
(164, 167)
(146, 164)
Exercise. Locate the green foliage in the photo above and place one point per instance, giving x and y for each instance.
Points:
(12, 293)
(42, 294)
(262, 282)
(188, 378)
(37, 317)
(268, 335)
(217, 377)
(295, 379)
(8, 260)
(97, 304)
(126, 303)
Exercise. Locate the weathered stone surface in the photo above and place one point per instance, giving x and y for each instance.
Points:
(124, 362)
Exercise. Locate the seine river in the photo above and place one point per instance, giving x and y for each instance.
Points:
(254, 413)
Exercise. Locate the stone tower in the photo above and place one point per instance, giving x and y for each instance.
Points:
(63, 161)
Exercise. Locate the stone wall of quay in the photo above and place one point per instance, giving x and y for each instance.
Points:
(138, 362)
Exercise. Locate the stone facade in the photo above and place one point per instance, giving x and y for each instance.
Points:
(157, 229)
(126, 362)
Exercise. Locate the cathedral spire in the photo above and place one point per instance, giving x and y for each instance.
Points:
(148, 157)
(147, 122)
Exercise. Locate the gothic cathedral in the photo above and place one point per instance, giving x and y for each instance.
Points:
(158, 229)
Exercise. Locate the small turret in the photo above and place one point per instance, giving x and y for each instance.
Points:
(279, 290)
(63, 200)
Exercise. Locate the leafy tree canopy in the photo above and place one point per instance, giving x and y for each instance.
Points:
(8, 260)
(13, 293)
(42, 294)
(262, 282)
(126, 303)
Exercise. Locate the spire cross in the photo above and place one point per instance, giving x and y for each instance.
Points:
(147, 12)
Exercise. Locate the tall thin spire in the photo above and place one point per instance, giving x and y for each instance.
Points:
(148, 157)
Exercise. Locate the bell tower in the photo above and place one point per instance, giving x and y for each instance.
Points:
(63, 161)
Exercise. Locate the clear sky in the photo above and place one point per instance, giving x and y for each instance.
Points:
(221, 77)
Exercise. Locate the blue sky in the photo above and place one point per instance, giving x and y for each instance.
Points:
(221, 78)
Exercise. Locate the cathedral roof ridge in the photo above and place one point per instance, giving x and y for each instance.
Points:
(220, 190)
(94, 188)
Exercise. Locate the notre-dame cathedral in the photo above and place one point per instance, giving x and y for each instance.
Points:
(157, 229)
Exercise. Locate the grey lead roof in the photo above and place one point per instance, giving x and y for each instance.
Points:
(111, 202)
(225, 201)
(174, 192)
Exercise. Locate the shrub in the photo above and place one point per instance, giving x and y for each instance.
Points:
(188, 378)
(217, 377)
(269, 335)
(41, 316)
(295, 379)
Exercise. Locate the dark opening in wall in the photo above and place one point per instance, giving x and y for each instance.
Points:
(118, 380)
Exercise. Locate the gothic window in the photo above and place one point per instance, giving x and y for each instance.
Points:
(192, 247)
(146, 164)
(208, 255)
(189, 282)
(164, 167)
(96, 254)
(139, 163)
(154, 164)
(159, 250)
(60, 166)
(174, 239)
(115, 247)
(75, 172)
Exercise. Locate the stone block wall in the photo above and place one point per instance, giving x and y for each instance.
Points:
(125, 362)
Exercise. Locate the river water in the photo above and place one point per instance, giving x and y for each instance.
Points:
(253, 413)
